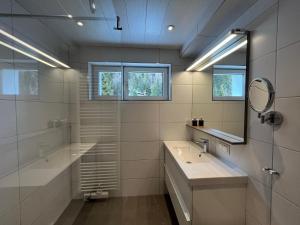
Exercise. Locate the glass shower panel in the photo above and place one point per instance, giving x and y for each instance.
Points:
(9, 177)
(43, 131)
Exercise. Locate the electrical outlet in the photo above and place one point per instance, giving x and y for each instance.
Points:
(223, 147)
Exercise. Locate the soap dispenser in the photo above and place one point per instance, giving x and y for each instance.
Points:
(201, 122)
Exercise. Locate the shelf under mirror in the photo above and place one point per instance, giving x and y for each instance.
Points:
(226, 137)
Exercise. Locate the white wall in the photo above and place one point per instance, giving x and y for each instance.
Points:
(141, 126)
(274, 55)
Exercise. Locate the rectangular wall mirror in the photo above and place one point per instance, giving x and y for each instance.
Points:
(220, 93)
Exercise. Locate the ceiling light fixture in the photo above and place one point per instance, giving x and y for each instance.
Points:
(171, 27)
(70, 16)
(222, 56)
(14, 38)
(79, 23)
(26, 54)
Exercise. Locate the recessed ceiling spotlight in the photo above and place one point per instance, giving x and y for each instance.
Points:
(79, 23)
(70, 16)
(171, 27)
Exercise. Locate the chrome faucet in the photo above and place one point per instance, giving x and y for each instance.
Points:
(203, 143)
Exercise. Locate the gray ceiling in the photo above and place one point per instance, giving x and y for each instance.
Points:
(144, 22)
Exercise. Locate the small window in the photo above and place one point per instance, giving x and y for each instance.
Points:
(130, 81)
(229, 83)
(146, 83)
(107, 82)
(20, 82)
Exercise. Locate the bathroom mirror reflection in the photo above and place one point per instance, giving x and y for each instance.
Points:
(261, 95)
(220, 95)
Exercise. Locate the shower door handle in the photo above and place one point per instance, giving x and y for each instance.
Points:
(270, 171)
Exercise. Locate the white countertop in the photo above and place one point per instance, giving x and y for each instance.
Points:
(204, 170)
(44, 170)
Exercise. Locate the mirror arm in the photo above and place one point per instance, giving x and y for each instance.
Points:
(271, 118)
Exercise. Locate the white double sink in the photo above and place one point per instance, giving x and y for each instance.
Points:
(203, 189)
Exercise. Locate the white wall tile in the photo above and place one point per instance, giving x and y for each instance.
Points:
(288, 17)
(140, 169)
(263, 40)
(208, 112)
(264, 67)
(139, 112)
(203, 78)
(170, 112)
(287, 135)
(136, 187)
(287, 83)
(284, 212)
(173, 57)
(139, 131)
(139, 150)
(182, 93)
(139, 55)
(202, 93)
(180, 76)
(257, 130)
(286, 162)
(174, 132)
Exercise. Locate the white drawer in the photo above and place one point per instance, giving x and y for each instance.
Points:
(181, 182)
(181, 210)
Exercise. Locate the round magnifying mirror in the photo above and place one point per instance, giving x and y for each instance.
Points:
(261, 94)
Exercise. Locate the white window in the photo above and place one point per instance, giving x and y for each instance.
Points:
(229, 83)
(129, 81)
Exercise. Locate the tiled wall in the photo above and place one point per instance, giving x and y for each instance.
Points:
(28, 101)
(143, 125)
(275, 55)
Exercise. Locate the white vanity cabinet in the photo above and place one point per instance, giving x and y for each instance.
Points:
(203, 190)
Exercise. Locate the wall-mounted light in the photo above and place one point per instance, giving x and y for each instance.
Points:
(171, 27)
(235, 40)
(25, 53)
(222, 56)
(14, 38)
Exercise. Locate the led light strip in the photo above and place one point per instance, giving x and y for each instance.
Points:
(25, 53)
(32, 48)
(223, 55)
(212, 51)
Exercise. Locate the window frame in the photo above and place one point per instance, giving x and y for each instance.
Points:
(93, 88)
(232, 68)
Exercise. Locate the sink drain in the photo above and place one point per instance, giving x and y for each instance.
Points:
(188, 162)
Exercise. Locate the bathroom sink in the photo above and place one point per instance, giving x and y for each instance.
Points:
(201, 168)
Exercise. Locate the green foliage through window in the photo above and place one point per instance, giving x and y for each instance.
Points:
(110, 84)
(145, 84)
